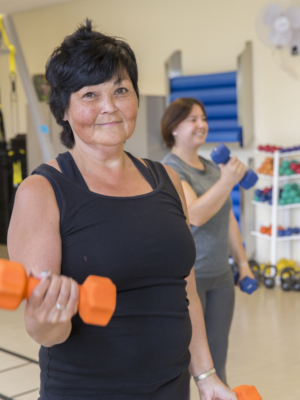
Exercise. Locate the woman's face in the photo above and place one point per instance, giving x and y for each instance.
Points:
(103, 114)
(192, 131)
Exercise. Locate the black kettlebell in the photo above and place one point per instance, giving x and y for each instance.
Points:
(296, 284)
(235, 271)
(269, 279)
(287, 278)
(255, 268)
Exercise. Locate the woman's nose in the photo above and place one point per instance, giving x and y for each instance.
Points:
(107, 104)
(201, 123)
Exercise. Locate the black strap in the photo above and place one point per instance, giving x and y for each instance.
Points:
(150, 167)
(147, 173)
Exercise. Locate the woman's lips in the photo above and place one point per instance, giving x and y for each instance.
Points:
(110, 123)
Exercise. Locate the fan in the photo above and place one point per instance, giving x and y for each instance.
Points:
(279, 27)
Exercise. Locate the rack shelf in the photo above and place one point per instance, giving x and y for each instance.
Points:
(288, 206)
(281, 155)
(281, 178)
(279, 238)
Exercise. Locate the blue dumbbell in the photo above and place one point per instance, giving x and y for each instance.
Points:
(247, 284)
(296, 231)
(220, 155)
(288, 232)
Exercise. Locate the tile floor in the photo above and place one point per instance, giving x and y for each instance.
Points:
(264, 348)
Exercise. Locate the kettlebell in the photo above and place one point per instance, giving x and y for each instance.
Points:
(255, 270)
(287, 278)
(269, 280)
(296, 284)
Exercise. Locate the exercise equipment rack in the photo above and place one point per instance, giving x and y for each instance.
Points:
(275, 208)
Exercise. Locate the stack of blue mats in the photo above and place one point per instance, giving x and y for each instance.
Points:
(236, 202)
(218, 92)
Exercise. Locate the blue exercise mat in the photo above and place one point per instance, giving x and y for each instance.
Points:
(226, 137)
(209, 96)
(193, 82)
(224, 111)
(235, 197)
(223, 124)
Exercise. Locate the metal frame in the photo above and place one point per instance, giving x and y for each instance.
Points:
(245, 93)
(172, 70)
(40, 126)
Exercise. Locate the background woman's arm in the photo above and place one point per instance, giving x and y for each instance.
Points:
(236, 248)
(202, 209)
(34, 240)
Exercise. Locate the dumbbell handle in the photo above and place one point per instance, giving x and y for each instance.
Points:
(97, 295)
(221, 155)
(245, 392)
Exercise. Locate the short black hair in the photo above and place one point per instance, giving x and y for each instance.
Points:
(85, 58)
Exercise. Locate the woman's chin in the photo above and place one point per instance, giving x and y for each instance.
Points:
(200, 140)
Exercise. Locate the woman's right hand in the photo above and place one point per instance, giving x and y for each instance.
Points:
(233, 172)
(50, 308)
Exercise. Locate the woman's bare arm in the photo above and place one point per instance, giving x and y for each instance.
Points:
(236, 248)
(34, 240)
(202, 209)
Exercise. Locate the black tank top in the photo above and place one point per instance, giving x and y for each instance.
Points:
(143, 244)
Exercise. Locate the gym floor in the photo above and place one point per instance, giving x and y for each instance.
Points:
(264, 348)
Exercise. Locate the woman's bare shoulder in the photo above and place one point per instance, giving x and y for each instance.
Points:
(53, 163)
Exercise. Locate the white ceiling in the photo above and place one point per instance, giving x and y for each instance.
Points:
(14, 6)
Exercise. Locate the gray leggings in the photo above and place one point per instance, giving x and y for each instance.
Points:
(217, 299)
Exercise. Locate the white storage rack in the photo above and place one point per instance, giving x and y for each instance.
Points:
(277, 181)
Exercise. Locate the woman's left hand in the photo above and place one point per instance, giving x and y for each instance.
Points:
(212, 388)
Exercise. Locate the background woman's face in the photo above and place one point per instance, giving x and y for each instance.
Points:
(103, 114)
(193, 130)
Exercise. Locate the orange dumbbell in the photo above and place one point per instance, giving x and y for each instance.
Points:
(245, 392)
(97, 295)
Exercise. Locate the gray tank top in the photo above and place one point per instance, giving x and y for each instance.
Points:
(211, 239)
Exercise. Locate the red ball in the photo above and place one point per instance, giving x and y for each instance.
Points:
(293, 166)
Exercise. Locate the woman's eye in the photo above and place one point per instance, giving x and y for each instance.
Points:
(121, 91)
(89, 95)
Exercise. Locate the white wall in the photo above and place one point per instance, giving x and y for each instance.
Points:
(210, 34)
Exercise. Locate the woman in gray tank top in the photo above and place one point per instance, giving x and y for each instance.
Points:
(214, 227)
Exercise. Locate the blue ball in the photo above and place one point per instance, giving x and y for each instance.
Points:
(258, 192)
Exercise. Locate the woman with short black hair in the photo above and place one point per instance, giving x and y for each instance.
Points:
(97, 210)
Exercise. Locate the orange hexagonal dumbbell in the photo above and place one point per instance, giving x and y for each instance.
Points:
(245, 392)
(97, 295)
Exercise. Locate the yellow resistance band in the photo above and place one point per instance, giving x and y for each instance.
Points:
(11, 48)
